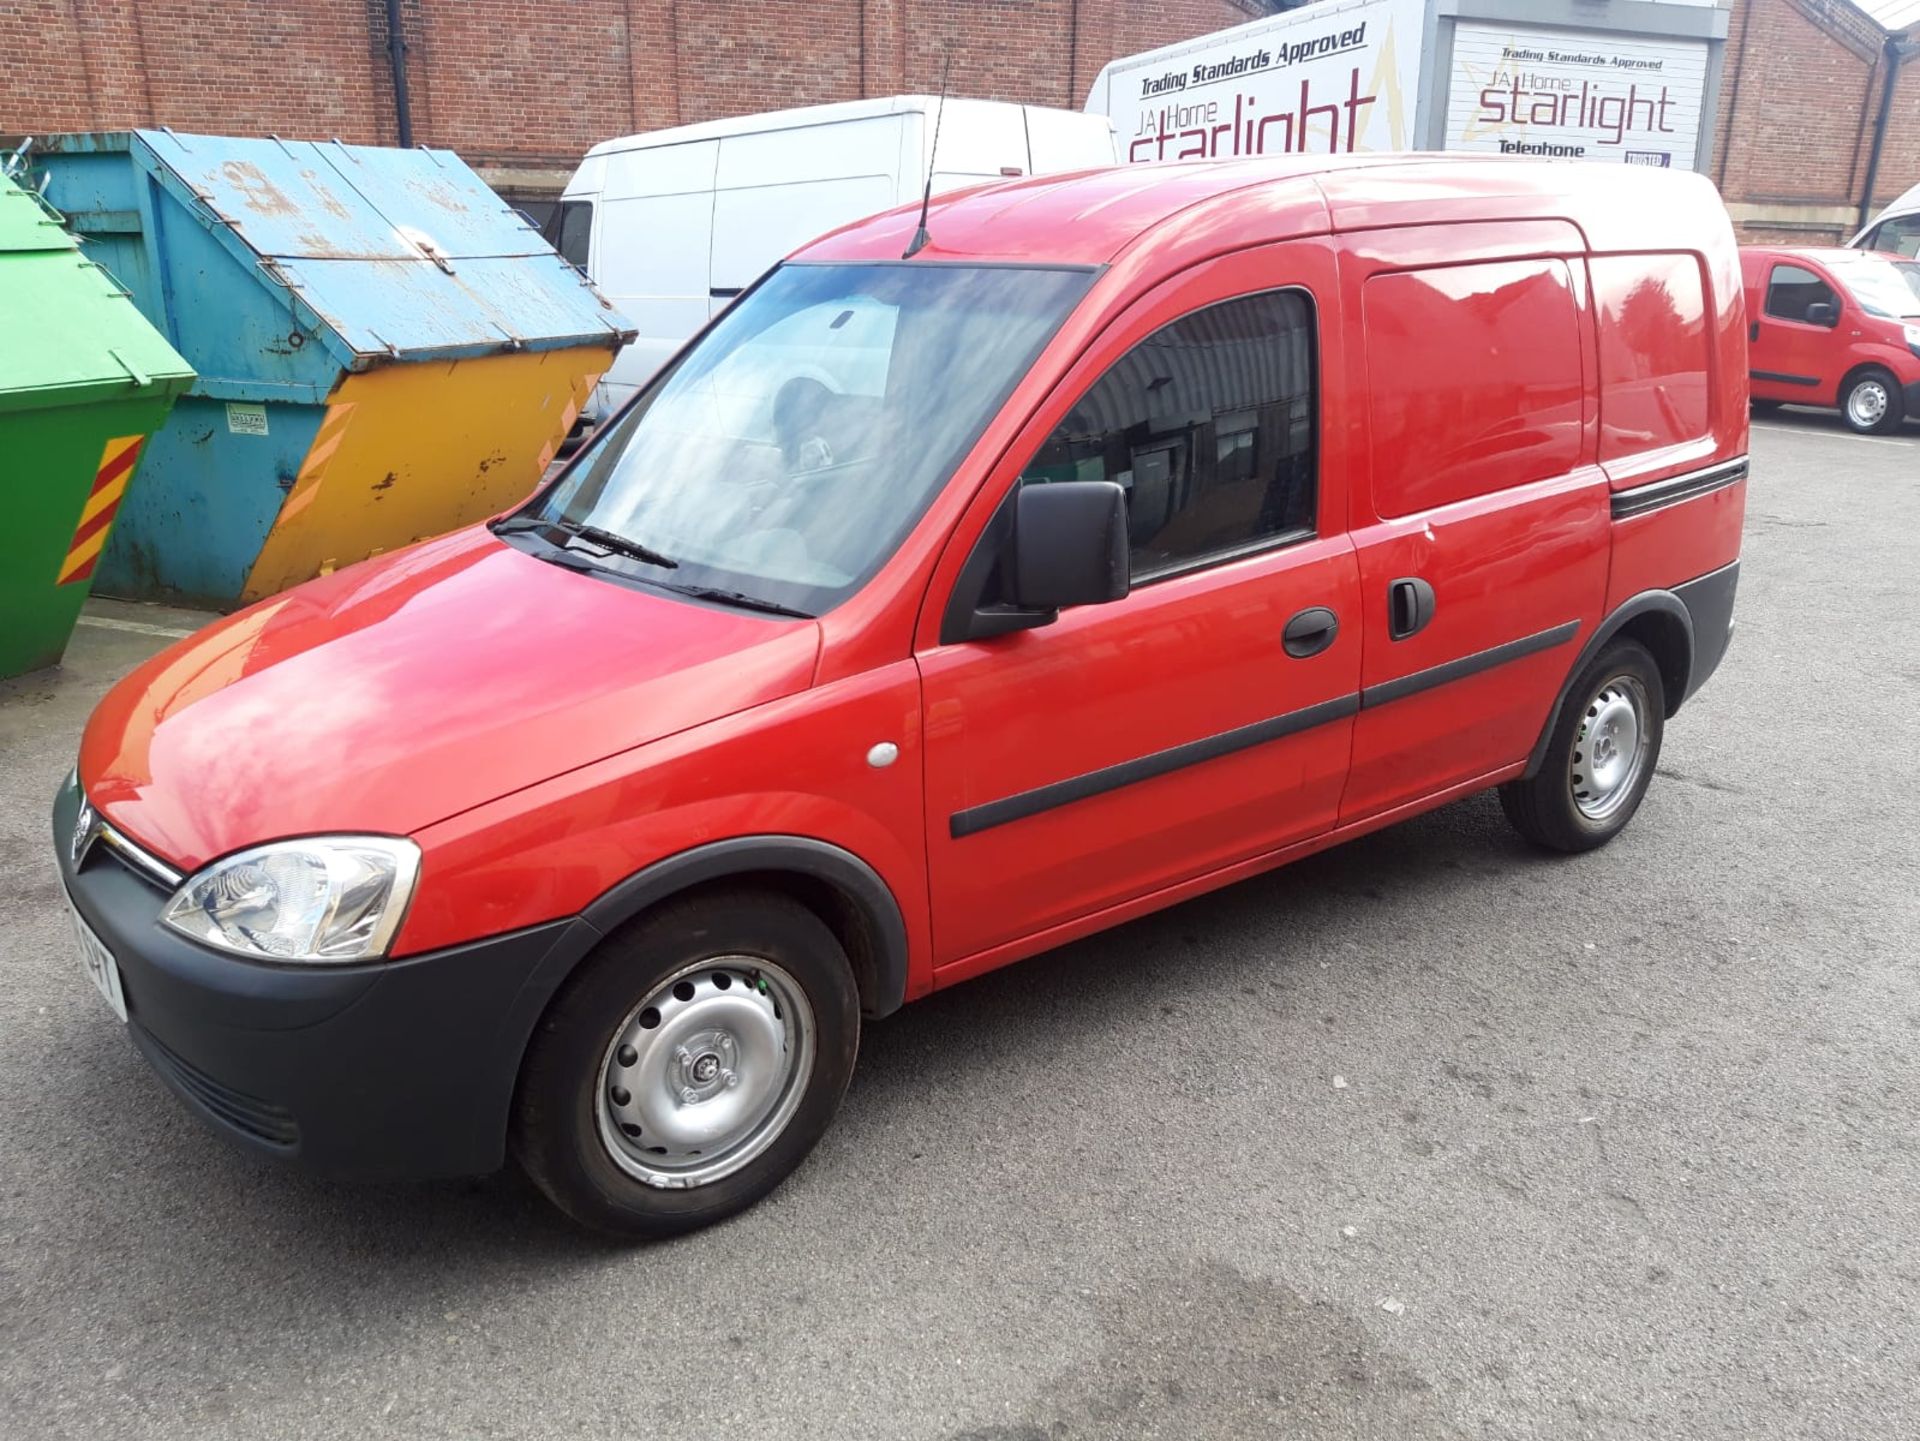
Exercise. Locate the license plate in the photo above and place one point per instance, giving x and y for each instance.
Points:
(99, 963)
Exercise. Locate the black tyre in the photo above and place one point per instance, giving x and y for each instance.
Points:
(1765, 407)
(1600, 757)
(689, 1065)
(1871, 403)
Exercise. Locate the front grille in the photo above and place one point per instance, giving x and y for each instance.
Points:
(259, 1119)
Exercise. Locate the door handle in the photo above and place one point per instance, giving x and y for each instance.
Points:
(1753, 330)
(1310, 632)
(1409, 607)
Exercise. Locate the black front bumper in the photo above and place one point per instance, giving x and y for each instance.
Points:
(391, 1070)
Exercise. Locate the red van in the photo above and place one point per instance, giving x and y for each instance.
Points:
(943, 601)
(1831, 327)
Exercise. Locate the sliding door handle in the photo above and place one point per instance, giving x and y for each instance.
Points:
(1310, 632)
(1409, 607)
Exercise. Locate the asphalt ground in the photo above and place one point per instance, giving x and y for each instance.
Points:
(1428, 1136)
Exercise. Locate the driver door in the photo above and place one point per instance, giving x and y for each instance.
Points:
(1138, 745)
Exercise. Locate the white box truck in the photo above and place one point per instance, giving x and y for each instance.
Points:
(1626, 80)
(671, 225)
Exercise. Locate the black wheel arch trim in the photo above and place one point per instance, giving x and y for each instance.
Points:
(1648, 602)
(797, 855)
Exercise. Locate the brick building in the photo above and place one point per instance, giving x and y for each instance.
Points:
(1802, 90)
(521, 90)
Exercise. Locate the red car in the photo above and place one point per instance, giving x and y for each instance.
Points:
(1834, 328)
(942, 602)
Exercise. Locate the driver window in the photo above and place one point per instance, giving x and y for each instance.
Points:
(1791, 290)
(1208, 426)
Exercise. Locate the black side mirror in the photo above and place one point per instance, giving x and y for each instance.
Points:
(1070, 545)
(1051, 546)
(1823, 312)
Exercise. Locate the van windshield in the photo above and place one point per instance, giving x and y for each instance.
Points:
(783, 457)
(1889, 288)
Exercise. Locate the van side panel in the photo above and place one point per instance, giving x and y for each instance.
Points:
(1480, 485)
(778, 189)
(1670, 529)
(978, 142)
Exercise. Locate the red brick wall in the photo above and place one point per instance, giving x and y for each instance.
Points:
(531, 86)
(1799, 93)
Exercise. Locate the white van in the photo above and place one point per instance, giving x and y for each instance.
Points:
(673, 224)
(1895, 229)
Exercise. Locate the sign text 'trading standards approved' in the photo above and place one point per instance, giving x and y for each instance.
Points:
(1384, 75)
(1330, 78)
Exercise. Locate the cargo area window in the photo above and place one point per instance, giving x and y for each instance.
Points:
(570, 231)
(1208, 426)
(1791, 290)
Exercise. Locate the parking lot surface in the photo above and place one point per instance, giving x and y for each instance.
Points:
(1428, 1136)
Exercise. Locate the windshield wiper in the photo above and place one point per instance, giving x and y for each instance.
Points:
(734, 597)
(592, 534)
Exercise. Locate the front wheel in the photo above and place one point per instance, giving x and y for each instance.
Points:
(689, 1066)
(1600, 757)
(1871, 403)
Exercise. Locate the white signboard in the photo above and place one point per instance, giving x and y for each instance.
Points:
(1575, 94)
(1333, 77)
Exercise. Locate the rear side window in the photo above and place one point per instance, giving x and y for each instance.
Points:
(1474, 380)
(1652, 316)
(1208, 426)
(1898, 236)
(1791, 289)
(570, 229)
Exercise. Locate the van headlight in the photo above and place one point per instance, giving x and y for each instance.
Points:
(324, 899)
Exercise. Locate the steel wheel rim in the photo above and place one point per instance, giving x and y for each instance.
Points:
(1867, 403)
(1610, 748)
(705, 1073)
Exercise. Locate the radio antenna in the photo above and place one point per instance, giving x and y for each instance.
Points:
(920, 236)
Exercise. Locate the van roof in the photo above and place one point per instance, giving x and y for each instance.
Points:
(1089, 217)
(798, 117)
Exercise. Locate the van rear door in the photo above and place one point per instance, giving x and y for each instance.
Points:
(656, 232)
(777, 189)
(1063, 140)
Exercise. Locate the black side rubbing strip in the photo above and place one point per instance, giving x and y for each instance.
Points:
(1779, 378)
(1078, 788)
(1466, 665)
(1676, 488)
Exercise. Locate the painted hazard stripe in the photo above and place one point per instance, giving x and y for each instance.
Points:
(326, 440)
(96, 516)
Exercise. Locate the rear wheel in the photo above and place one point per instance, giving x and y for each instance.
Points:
(1870, 402)
(1764, 407)
(1600, 758)
(689, 1066)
